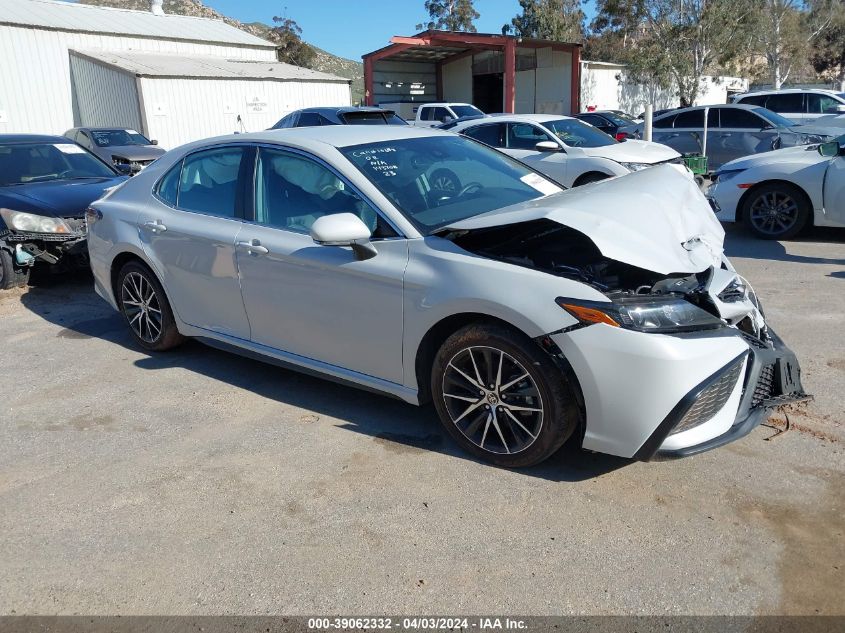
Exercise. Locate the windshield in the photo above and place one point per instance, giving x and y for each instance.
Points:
(575, 133)
(465, 110)
(39, 162)
(436, 181)
(117, 138)
(618, 119)
(774, 118)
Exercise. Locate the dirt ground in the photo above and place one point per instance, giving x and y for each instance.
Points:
(198, 482)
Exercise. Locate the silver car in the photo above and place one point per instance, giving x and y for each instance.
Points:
(733, 131)
(126, 149)
(527, 314)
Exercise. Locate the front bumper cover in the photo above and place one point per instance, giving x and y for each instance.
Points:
(772, 379)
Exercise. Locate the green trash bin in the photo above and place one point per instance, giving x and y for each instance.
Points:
(697, 164)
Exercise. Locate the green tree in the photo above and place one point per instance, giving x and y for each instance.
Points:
(785, 31)
(287, 35)
(828, 51)
(558, 20)
(698, 36)
(450, 15)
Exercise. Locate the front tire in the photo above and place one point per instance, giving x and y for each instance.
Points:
(145, 308)
(776, 211)
(501, 397)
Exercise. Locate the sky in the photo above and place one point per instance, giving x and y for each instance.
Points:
(350, 28)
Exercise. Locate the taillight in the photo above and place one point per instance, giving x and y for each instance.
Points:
(621, 136)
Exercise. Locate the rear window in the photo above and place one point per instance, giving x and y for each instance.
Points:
(465, 110)
(371, 118)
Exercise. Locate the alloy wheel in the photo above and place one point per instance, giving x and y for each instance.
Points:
(773, 213)
(492, 400)
(141, 307)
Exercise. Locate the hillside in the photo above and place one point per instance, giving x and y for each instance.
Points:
(323, 61)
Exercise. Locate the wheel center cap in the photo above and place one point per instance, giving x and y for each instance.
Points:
(492, 399)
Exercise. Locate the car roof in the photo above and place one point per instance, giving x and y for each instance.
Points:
(314, 138)
(730, 106)
(8, 139)
(787, 90)
(530, 118)
(104, 128)
(343, 109)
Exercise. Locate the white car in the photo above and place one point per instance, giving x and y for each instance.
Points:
(525, 313)
(568, 150)
(776, 194)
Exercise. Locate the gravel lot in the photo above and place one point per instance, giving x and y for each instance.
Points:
(200, 482)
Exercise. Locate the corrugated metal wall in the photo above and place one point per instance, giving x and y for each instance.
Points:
(35, 88)
(104, 96)
(183, 110)
(392, 81)
(457, 81)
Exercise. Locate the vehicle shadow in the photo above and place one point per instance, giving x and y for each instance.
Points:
(739, 242)
(395, 425)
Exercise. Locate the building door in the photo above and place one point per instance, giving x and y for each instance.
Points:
(488, 92)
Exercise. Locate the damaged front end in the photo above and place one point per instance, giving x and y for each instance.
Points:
(31, 238)
(714, 302)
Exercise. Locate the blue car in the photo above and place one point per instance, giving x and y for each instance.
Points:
(46, 184)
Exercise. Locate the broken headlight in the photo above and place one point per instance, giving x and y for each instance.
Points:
(32, 223)
(635, 166)
(643, 314)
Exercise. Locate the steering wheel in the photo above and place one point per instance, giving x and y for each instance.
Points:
(473, 186)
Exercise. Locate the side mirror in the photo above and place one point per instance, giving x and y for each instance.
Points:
(344, 229)
(547, 146)
(831, 149)
(154, 142)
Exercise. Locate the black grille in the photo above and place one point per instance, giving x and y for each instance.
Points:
(765, 385)
(711, 400)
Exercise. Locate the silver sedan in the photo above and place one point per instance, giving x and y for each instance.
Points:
(527, 314)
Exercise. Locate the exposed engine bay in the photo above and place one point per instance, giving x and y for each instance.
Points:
(550, 247)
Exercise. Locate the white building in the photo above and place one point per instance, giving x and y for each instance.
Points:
(174, 78)
(605, 86)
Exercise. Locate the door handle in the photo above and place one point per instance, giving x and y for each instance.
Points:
(727, 134)
(253, 247)
(155, 226)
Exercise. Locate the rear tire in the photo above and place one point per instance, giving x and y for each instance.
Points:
(776, 211)
(11, 276)
(522, 410)
(145, 308)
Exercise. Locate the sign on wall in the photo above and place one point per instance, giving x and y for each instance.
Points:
(256, 104)
(4, 116)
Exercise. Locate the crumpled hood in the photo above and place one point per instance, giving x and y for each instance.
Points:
(59, 198)
(656, 219)
(633, 151)
(816, 130)
(134, 152)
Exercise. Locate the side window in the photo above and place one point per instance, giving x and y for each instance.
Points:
(740, 119)
(821, 104)
(82, 139)
(665, 122)
(437, 114)
(324, 120)
(168, 187)
(525, 136)
(691, 119)
(786, 102)
(488, 134)
(286, 122)
(713, 118)
(209, 181)
(292, 191)
(427, 114)
(308, 119)
(757, 100)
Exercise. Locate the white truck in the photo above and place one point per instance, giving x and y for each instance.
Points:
(431, 114)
